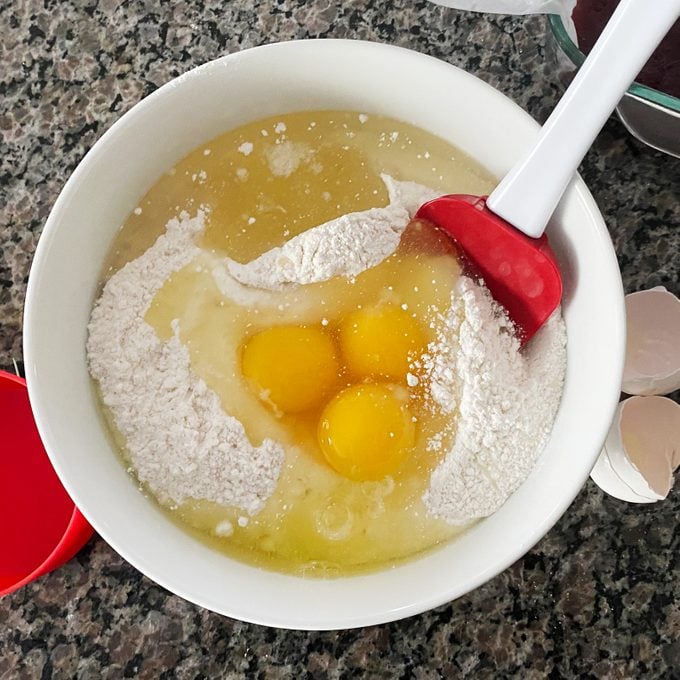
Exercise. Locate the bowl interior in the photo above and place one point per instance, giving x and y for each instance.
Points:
(152, 137)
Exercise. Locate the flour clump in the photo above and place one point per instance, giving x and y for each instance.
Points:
(502, 402)
(345, 246)
(178, 439)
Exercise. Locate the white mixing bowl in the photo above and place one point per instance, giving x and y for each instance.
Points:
(152, 137)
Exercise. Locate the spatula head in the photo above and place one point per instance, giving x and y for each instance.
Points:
(520, 272)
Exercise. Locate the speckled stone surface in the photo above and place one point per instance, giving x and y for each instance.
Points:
(598, 597)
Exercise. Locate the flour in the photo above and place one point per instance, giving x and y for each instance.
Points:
(246, 148)
(408, 195)
(345, 246)
(502, 403)
(179, 440)
(284, 159)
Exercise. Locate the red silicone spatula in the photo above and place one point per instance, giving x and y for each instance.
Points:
(502, 236)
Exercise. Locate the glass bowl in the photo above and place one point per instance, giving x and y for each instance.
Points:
(651, 116)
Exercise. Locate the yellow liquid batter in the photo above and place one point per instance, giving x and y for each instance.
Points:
(264, 183)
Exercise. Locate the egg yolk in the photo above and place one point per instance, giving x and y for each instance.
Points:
(381, 342)
(366, 431)
(294, 368)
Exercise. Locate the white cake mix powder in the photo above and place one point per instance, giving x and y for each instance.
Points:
(179, 440)
(502, 402)
(181, 443)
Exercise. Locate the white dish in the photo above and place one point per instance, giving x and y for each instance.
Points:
(149, 139)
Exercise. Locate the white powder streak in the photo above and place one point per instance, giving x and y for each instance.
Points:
(179, 440)
(502, 403)
(409, 195)
(345, 246)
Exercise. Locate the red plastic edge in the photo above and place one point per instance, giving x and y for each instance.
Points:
(76, 534)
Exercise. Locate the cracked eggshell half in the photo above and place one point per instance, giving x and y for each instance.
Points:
(641, 451)
(604, 475)
(652, 343)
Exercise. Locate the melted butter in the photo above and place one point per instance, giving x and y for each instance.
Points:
(341, 175)
(317, 522)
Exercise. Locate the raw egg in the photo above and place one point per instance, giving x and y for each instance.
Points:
(293, 368)
(366, 431)
(381, 342)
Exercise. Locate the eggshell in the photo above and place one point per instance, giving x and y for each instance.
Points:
(604, 475)
(652, 343)
(641, 451)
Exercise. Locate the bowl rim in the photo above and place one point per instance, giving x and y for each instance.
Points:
(577, 58)
(293, 620)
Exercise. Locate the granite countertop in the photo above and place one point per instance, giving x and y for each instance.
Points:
(595, 598)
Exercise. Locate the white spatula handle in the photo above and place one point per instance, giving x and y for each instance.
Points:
(528, 195)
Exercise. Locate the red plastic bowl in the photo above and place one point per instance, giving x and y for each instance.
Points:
(40, 527)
